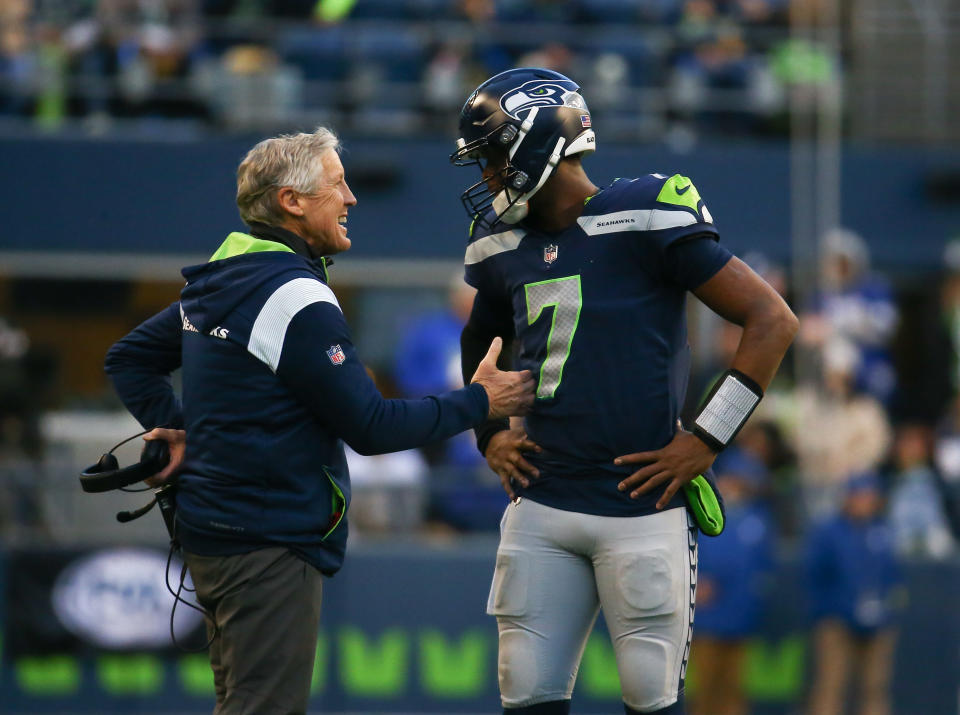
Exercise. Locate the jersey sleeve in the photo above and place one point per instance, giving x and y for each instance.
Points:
(140, 364)
(678, 212)
(692, 262)
(320, 365)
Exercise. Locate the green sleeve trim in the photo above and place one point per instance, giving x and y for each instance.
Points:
(238, 244)
(338, 506)
(704, 505)
(680, 191)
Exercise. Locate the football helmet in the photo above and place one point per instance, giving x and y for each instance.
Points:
(526, 119)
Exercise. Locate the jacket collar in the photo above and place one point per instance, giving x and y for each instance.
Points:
(291, 241)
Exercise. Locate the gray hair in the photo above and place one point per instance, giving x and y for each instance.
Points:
(287, 160)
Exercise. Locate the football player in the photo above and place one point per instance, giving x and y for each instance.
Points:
(591, 283)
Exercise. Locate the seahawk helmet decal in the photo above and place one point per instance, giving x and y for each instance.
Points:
(541, 93)
(531, 117)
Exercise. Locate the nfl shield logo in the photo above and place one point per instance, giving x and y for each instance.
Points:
(550, 253)
(336, 355)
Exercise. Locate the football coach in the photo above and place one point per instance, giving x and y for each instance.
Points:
(272, 386)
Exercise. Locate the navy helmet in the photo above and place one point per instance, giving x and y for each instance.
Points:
(535, 117)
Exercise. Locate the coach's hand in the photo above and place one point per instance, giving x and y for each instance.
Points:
(509, 393)
(505, 456)
(176, 439)
(678, 463)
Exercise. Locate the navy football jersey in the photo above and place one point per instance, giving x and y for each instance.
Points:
(598, 311)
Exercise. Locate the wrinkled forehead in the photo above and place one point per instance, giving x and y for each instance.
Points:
(331, 165)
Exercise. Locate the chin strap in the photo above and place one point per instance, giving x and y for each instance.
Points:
(512, 207)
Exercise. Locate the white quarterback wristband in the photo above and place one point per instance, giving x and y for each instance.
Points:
(726, 409)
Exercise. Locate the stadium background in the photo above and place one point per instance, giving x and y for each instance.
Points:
(121, 124)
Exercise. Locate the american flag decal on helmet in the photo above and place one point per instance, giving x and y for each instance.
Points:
(335, 353)
(585, 120)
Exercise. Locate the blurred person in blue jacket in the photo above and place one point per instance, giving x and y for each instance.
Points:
(856, 305)
(732, 579)
(856, 590)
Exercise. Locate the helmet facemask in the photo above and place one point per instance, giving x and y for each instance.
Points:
(509, 190)
(507, 182)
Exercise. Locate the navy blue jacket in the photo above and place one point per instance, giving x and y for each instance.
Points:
(271, 385)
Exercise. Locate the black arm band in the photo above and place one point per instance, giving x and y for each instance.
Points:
(726, 409)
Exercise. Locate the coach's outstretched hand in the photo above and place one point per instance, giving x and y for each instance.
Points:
(509, 393)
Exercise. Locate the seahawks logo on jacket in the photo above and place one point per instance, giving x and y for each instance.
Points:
(541, 93)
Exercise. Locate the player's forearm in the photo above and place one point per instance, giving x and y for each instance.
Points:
(767, 333)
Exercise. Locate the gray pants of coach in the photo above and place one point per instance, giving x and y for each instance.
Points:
(266, 606)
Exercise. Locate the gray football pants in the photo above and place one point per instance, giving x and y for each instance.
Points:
(554, 571)
(266, 605)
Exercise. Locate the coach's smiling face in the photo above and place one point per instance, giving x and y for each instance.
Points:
(320, 217)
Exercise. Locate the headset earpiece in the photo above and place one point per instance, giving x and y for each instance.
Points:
(106, 474)
(107, 463)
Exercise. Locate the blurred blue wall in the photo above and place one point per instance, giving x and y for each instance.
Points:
(177, 197)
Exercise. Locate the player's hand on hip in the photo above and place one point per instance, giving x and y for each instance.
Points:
(505, 456)
(176, 440)
(675, 465)
(509, 393)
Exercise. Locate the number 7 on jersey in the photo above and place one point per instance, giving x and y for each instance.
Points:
(565, 297)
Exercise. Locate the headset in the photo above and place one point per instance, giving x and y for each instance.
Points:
(107, 474)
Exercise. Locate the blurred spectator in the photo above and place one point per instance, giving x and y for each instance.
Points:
(18, 60)
(249, 87)
(732, 579)
(856, 591)
(428, 356)
(133, 57)
(836, 431)
(917, 514)
(858, 306)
